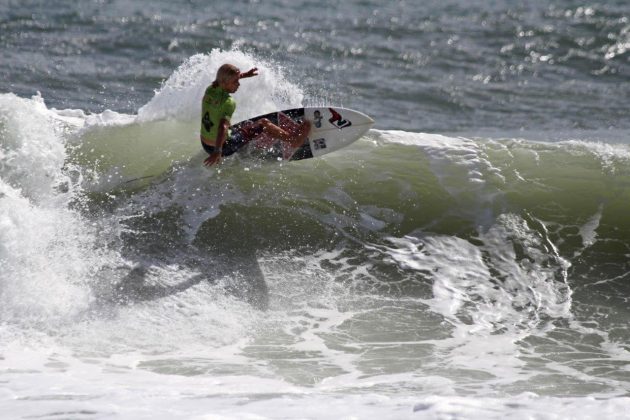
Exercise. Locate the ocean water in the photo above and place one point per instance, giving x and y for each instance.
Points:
(468, 258)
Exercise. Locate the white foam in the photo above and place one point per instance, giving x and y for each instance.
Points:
(608, 154)
(492, 296)
(180, 96)
(43, 261)
(58, 383)
(32, 152)
(45, 248)
(588, 231)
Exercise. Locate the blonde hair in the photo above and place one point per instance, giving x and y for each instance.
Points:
(225, 73)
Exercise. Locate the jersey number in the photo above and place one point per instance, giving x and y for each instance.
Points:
(207, 123)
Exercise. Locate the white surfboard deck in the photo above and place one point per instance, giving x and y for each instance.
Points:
(332, 128)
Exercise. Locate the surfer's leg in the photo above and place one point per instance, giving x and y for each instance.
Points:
(273, 130)
(294, 139)
(237, 140)
(300, 134)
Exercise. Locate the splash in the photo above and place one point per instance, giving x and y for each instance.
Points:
(46, 249)
(180, 95)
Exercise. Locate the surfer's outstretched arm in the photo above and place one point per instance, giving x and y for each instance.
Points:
(249, 73)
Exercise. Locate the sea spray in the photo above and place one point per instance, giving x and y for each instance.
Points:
(47, 250)
(180, 95)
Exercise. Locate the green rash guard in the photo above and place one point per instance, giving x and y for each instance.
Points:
(216, 105)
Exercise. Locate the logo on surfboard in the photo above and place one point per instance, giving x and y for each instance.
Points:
(337, 120)
(317, 119)
(319, 144)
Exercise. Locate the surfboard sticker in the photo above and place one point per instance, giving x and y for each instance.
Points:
(319, 143)
(331, 129)
(338, 121)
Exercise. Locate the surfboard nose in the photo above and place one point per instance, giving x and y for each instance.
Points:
(368, 120)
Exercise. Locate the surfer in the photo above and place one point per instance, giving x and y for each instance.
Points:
(217, 108)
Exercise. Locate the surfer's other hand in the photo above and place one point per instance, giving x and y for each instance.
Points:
(212, 159)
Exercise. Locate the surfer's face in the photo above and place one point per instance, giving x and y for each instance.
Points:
(233, 84)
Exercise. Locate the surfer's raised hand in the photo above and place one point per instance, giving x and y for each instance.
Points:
(249, 73)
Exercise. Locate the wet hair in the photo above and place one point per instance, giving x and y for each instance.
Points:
(225, 73)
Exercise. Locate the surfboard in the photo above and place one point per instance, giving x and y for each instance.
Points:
(332, 128)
